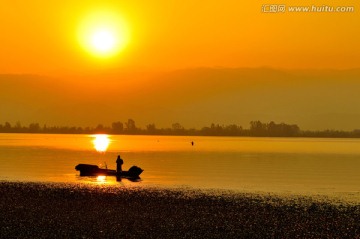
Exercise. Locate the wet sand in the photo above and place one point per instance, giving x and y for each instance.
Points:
(36, 210)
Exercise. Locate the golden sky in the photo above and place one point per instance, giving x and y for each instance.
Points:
(55, 67)
(41, 36)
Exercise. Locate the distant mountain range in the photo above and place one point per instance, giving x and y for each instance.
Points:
(312, 99)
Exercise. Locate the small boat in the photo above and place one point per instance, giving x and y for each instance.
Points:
(94, 170)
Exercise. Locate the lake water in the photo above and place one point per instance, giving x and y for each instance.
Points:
(276, 165)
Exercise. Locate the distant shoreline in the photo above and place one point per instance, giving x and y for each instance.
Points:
(257, 129)
(348, 135)
(38, 210)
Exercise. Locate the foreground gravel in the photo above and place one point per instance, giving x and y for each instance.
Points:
(35, 210)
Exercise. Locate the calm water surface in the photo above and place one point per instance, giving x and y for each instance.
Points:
(279, 165)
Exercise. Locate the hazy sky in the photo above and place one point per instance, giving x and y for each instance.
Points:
(40, 36)
(55, 41)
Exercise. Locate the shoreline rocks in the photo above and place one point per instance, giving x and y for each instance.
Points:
(56, 210)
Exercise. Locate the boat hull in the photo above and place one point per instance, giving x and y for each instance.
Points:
(94, 170)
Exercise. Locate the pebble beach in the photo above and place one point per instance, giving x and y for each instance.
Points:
(57, 210)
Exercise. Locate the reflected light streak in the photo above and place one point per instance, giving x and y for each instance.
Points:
(101, 179)
(101, 142)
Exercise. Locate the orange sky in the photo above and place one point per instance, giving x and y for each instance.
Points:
(61, 82)
(40, 36)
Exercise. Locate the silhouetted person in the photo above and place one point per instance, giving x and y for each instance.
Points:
(119, 163)
(192, 143)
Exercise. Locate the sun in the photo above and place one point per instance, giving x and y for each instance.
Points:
(103, 40)
(103, 34)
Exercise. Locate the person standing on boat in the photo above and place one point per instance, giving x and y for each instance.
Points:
(119, 163)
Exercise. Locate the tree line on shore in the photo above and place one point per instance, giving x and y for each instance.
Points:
(256, 129)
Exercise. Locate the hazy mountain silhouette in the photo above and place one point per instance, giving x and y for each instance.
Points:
(313, 99)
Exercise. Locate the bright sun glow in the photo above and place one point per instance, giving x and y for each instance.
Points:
(101, 142)
(101, 179)
(103, 34)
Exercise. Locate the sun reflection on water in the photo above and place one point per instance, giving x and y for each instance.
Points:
(101, 179)
(101, 142)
